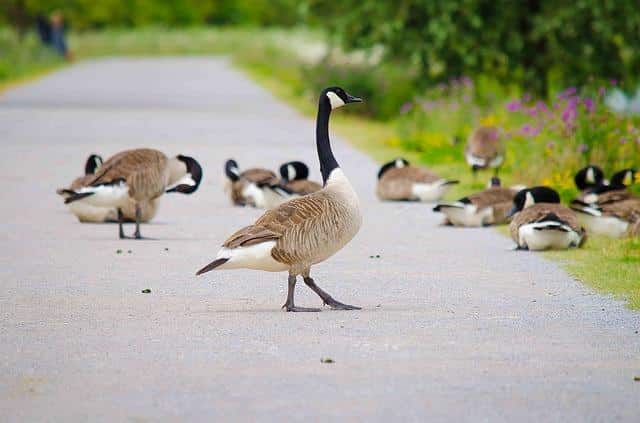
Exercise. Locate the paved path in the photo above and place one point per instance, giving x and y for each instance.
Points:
(455, 325)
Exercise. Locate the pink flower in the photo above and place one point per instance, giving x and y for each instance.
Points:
(542, 107)
(568, 93)
(532, 111)
(551, 144)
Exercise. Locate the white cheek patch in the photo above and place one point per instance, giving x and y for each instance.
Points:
(185, 180)
(399, 163)
(335, 100)
(529, 201)
(590, 176)
(291, 170)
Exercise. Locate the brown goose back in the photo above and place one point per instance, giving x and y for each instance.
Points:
(303, 186)
(397, 183)
(485, 143)
(539, 211)
(144, 170)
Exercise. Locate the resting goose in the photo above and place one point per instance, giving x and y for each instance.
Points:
(304, 231)
(604, 193)
(399, 181)
(540, 222)
(484, 208)
(139, 176)
(485, 149)
(254, 187)
(294, 178)
(589, 177)
(86, 213)
(614, 219)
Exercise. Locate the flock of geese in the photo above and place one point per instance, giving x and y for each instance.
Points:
(307, 222)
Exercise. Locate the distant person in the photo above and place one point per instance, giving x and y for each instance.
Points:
(51, 32)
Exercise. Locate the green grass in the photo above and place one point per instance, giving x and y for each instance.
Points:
(280, 60)
(22, 59)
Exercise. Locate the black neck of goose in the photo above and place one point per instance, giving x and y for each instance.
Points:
(325, 154)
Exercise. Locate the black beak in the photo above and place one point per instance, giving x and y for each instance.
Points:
(352, 99)
(513, 211)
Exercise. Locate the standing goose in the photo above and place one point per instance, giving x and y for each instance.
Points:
(254, 187)
(540, 222)
(399, 181)
(140, 175)
(485, 149)
(294, 178)
(484, 208)
(86, 213)
(613, 219)
(303, 231)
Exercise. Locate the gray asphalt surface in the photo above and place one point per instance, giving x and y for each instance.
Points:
(455, 326)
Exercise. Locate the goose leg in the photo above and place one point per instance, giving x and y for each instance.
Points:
(289, 306)
(137, 234)
(326, 298)
(120, 228)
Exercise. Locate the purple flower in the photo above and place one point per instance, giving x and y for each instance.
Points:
(526, 97)
(582, 148)
(466, 81)
(532, 111)
(542, 107)
(570, 112)
(551, 144)
(613, 81)
(514, 106)
(589, 105)
(406, 108)
(568, 93)
(529, 130)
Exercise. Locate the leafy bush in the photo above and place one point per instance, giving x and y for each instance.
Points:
(542, 44)
(22, 56)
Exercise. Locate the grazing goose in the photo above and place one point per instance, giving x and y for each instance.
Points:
(294, 178)
(484, 208)
(141, 176)
(614, 219)
(540, 222)
(303, 231)
(254, 187)
(86, 213)
(399, 181)
(485, 149)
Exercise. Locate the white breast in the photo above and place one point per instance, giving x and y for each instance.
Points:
(547, 235)
(429, 192)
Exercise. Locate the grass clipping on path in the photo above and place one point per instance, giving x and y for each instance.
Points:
(609, 265)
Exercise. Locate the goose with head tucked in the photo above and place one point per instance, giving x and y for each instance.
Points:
(86, 213)
(540, 222)
(609, 192)
(140, 176)
(589, 177)
(254, 187)
(295, 178)
(303, 231)
(485, 149)
(400, 181)
(484, 208)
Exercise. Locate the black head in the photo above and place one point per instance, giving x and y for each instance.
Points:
(399, 162)
(294, 171)
(93, 163)
(589, 177)
(625, 177)
(530, 196)
(191, 179)
(495, 182)
(338, 97)
(232, 170)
